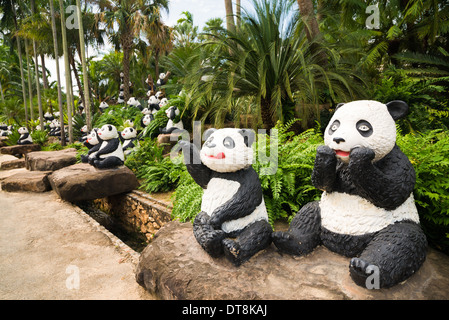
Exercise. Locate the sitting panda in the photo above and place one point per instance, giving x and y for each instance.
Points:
(25, 137)
(48, 116)
(84, 134)
(146, 120)
(367, 211)
(121, 95)
(153, 104)
(128, 136)
(233, 218)
(110, 154)
(171, 126)
(103, 106)
(93, 142)
(135, 103)
(161, 81)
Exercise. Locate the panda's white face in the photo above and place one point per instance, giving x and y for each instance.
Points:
(84, 129)
(128, 123)
(153, 100)
(361, 124)
(22, 130)
(163, 102)
(161, 76)
(108, 132)
(158, 94)
(93, 138)
(147, 119)
(103, 105)
(129, 133)
(146, 111)
(133, 102)
(225, 150)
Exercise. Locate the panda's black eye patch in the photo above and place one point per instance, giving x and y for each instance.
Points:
(364, 128)
(229, 143)
(334, 126)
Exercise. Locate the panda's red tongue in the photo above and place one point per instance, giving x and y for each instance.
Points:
(221, 155)
(342, 153)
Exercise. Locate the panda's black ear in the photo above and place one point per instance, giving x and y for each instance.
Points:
(248, 136)
(339, 105)
(397, 108)
(208, 133)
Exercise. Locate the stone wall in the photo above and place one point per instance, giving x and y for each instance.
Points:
(137, 210)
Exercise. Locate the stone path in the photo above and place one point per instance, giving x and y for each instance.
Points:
(47, 244)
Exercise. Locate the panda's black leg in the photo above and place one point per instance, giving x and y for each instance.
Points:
(393, 255)
(108, 162)
(303, 235)
(251, 240)
(209, 238)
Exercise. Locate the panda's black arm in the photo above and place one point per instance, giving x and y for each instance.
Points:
(110, 147)
(199, 172)
(94, 149)
(324, 170)
(387, 183)
(247, 198)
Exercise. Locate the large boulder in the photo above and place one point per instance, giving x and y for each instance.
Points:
(82, 181)
(20, 149)
(50, 160)
(27, 181)
(174, 266)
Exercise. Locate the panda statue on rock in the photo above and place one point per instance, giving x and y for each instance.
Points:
(233, 220)
(367, 211)
(110, 154)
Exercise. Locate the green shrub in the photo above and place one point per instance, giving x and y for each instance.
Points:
(429, 154)
(39, 136)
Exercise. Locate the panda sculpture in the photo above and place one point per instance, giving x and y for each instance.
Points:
(233, 220)
(135, 103)
(367, 211)
(121, 94)
(93, 143)
(103, 106)
(110, 154)
(128, 137)
(172, 112)
(153, 104)
(25, 137)
(146, 120)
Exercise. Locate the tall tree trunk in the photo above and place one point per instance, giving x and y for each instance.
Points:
(19, 52)
(58, 77)
(308, 15)
(238, 13)
(126, 41)
(36, 68)
(68, 75)
(267, 118)
(1, 92)
(156, 62)
(83, 63)
(44, 72)
(30, 87)
(230, 25)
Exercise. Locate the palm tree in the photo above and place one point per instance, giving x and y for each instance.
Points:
(230, 25)
(306, 9)
(130, 18)
(58, 77)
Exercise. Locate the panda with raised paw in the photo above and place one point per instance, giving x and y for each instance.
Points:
(110, 154)
(233, 220)
(129, 136)
(25, 137)
(367, 211)
(93, 142)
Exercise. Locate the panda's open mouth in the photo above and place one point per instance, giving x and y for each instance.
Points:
(342, 154)
(220, 155)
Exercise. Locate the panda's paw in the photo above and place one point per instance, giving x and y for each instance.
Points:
(361, 154)
(360, 270)
(325, 156)
(287, 243)
(232, 251)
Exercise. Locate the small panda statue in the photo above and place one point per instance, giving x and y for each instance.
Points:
(48, 116)
(367, 211)
(110, 154)
(135, 103)
(233, 218)
(171, 126)
(103, 106)
(153, 104)
(146, 120)
(121, 94)
(84, 134)
(129, 136)
(161, 81)
(25, 137)
(93, 142)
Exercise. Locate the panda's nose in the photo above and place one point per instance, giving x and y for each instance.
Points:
(338, 140)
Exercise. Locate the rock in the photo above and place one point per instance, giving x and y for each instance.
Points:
(20, 149)
(82, 181)
(174, 266)
(27, 181)
(50, 160)
(12, 164)
(164, 141)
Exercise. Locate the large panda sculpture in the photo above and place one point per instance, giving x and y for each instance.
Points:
(110, 154)
(93, 142)
(367, 211)
(233, 220)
